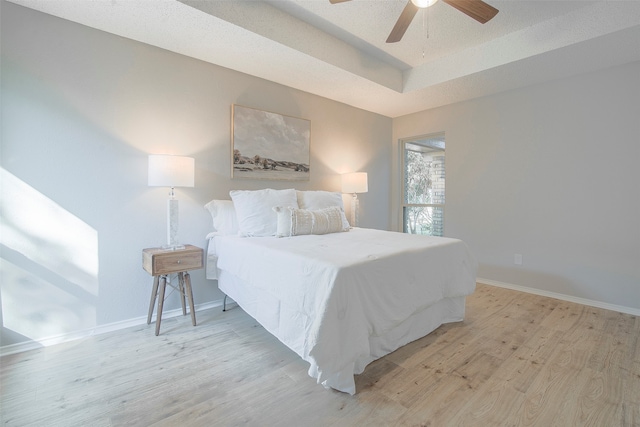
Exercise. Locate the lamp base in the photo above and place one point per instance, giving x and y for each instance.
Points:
(172, 226)
(355, 207)
(173, 247)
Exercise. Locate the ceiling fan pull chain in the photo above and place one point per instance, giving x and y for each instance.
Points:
(424, 32)
(427, 23)
(425, 29)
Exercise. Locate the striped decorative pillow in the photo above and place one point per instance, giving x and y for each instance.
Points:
(298, 222)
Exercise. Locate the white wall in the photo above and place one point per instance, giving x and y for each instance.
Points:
(81, 110)
(551, 172)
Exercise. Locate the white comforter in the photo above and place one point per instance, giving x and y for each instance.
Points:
(343, 288)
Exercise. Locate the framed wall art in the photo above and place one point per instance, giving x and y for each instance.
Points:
(267, 145)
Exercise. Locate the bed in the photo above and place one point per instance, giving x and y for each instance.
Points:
(338, 299)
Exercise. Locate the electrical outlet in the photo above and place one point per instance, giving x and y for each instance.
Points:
(517, 259)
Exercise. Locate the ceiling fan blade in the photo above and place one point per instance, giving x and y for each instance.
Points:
(403, 22)
(337, 1)
(477, 9)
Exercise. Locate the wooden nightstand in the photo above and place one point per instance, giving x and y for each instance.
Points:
(159, 263)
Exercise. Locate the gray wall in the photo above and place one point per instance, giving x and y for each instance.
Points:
(551, 172)
(81, 110)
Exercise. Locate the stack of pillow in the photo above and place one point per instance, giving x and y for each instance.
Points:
(280, 213)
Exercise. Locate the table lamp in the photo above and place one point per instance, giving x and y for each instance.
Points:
(171, 171)
(355, 182)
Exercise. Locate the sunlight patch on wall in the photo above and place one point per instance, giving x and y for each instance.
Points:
(38, 309)
(49, 264)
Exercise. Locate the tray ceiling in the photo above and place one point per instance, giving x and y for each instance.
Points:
(339, 51)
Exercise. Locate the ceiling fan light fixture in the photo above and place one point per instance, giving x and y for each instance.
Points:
(423, 3)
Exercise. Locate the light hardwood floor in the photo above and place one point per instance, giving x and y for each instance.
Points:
(516, 360)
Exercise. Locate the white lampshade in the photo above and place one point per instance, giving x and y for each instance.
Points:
(355, 182)
(171, 171)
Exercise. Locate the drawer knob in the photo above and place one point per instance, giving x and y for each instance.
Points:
(179, 261)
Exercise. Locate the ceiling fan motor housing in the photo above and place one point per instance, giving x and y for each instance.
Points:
(424, 3)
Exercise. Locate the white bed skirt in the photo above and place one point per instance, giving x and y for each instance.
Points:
(275, 317)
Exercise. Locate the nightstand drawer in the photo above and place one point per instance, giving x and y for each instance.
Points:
(157, 261)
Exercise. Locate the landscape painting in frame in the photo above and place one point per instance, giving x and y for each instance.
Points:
(268, 145)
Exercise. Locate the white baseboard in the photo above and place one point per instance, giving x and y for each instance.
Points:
(102, 329)
(563, 297)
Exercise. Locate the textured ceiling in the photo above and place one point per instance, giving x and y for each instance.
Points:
(339, 51)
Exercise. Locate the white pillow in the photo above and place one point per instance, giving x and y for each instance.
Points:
(298, 222)
(254, 209)
(314, 200)
(223, 215)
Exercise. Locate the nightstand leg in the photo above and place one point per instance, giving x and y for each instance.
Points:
(181, 286)
(187, 281)
(162, 286)
(154, 294)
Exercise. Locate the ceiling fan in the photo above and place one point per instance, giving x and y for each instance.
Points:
(477, 9)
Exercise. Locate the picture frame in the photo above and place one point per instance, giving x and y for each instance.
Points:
(269, 146)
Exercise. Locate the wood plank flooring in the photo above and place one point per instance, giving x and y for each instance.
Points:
(516, 360)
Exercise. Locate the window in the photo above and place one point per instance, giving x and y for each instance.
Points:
(423, 185)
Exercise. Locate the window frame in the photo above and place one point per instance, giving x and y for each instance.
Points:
(403, 142)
